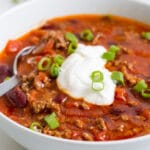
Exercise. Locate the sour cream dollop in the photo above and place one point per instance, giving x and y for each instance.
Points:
(74, 77)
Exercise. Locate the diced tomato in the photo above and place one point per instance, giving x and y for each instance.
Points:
(38, 58)
(121, 94)
(33, 96)
(49, 47)
(101, 136)
(146, 113)
(69, 104)
(13, 46)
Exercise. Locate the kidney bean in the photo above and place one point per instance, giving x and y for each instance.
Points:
(13, 46)
(116, 112)
(50, 27)
(59, 98)
(73, 21)
(17, 97)
(120, 109)
(4, 72)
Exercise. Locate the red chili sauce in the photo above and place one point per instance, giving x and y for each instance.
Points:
(37, 95)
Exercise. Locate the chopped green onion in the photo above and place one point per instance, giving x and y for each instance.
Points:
(15, 1)
(111, 53)
(7, 78)
(117, 76)
(97, 86)
(146, 35)
(146, 93)
(71, 37)
(44, 64)
(110, 56)
(141, 85)
(72, 47)
(58, 59)
(35, 126)
(142, 88)
(87, 35)
(54, 70)
(52, 121)
(73, 42)
(114, 48)
(97, 76)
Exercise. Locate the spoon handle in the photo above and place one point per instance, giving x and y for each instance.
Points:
(8, 85)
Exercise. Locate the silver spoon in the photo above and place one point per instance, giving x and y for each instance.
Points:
(14, 80)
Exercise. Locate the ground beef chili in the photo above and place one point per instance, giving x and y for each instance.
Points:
(38, 95)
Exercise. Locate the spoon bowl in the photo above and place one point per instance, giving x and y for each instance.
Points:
(14, 80)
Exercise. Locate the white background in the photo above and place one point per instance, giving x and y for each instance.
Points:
(7, 143)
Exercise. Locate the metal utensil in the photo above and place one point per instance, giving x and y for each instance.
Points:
(14, 80)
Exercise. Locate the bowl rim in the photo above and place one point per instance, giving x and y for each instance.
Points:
(69, 141)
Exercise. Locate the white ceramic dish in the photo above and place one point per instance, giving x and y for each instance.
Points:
(27, 16)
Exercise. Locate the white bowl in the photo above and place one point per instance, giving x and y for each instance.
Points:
(29, 15)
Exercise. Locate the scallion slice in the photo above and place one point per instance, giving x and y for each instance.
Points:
(58, 59)
(71, 37)
(97, 86)
(145, 93)
(15, 1)
(52, 121)
(118, 77)
(7, 78)
(72, 47)
(146, 35)
(73, 42)
(110, 56)
(35, 126)
(44, 64)
(97, 76)
(141, 85)
(114, 48)
(87, 35)
(54, 70)
(111, 53)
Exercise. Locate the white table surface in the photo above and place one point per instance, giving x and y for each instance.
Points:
(6, 143)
